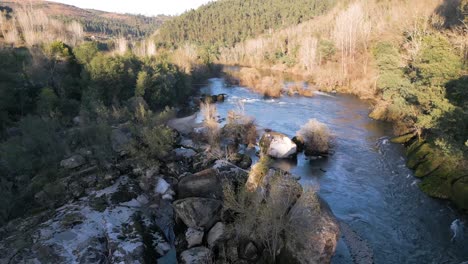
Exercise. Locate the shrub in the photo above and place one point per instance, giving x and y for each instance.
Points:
(316, 136)
(258, 173)
(212, 131)
(47, 102)
(240, 128)
(85, 52)
(162, 84)
(40, 145)
(437, 62)
(113, 78)
(152, 144)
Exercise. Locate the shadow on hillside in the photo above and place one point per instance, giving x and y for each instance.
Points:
(449, 11)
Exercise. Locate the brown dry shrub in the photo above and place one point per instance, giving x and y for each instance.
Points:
(212, 130)
(316, 136)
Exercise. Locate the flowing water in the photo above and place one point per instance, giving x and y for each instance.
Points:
(366, 182)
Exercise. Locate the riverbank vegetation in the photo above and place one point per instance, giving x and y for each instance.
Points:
(62, 95)
(408, 58)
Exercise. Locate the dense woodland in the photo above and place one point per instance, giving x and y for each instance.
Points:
(227, 22)
(136, 26)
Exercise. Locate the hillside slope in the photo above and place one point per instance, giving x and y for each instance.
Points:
(94, 22)
(227, 22)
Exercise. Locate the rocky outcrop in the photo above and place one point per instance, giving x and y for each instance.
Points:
(194, 237)
(317, 240)
(198, 212)
(277, 145)
(120, 137)
(197, 255)
(205, 184)
(95, 229)
(73, 162)
(217, 233)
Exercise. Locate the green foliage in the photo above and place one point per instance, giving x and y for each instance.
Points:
(143, 81)
(58, 50)
(162, 84)
(113, 77)
(85, 52)
(40, 145)
(327, 49)
(437, 62)
(229, 22)
(125, 25)
(47, 102)
(152, 144)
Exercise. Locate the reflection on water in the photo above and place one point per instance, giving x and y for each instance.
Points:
(365, 182)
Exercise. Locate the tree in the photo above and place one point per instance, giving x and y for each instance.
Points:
(86, 52)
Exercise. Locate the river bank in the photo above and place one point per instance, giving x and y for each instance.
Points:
(366, 182)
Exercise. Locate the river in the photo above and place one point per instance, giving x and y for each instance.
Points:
(365, 182)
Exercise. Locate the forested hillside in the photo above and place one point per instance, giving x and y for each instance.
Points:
(227, 22)
(60, 93)
(94, 22)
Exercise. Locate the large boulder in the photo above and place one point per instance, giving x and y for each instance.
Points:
(74, 161)
(194, 237)
(316, 239)
(277, 145)
(217, 233)
(204, 184)
(120, 137)
(196, 255)
(198, 212)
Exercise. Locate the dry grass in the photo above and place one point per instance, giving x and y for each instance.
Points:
(316, 136)
(351, 27)
(33, 27)
(144, 48)
(240, 128)
(186, 57)
(268, 86)
(210, 123)
(258, 173)
(298, 88)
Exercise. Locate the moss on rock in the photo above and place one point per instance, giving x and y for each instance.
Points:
(418, 155)
(436, 185)
(403, 139)
(431, 163)
(460, 193)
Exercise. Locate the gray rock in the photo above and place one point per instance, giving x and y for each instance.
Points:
(277, 145)
(184, 153)
(76, 120)
(204, 184)
(249, 251)
(196, 255)
(319, 233)
(73, 162)
(194, 237)
(119, 139)
(162, 187)
(188, 143)
(198, 212)
(217, 233)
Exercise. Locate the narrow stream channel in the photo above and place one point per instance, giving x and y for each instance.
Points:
(366, 182)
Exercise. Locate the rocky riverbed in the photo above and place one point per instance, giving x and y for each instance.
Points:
(173, 212)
